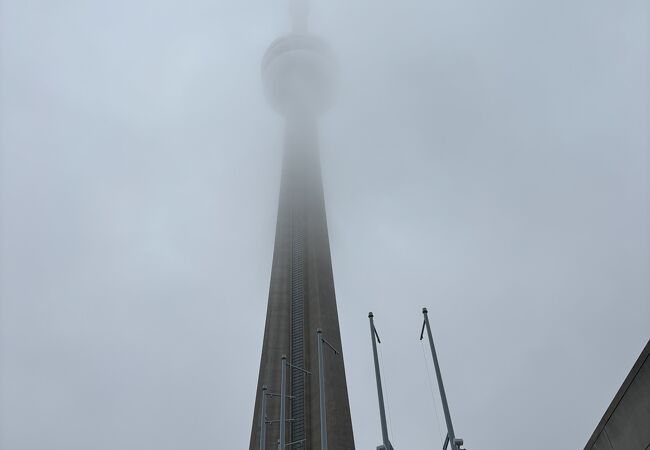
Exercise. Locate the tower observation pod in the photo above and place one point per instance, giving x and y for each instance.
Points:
(298, 70)
(298, 77)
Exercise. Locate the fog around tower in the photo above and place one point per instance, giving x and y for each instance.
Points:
(488, 160)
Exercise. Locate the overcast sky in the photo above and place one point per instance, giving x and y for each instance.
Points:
(487, 159)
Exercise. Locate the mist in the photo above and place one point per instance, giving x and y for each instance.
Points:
(488, 160)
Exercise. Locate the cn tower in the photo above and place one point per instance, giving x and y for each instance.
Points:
(302, 398)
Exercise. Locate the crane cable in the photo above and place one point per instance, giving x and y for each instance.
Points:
(433, 397)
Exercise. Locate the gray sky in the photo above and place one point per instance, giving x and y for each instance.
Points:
(486, 159)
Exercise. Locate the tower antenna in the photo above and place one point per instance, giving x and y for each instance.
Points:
(299, 10)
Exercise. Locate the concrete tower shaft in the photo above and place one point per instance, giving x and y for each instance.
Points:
(297, 72)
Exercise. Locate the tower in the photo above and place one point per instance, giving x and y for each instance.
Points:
(297, 71)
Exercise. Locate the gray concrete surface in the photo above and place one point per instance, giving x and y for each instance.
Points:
(301, 195)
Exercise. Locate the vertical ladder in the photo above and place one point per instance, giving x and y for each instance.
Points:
(297, 334)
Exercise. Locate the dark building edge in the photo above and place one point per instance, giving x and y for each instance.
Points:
(641, 360)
